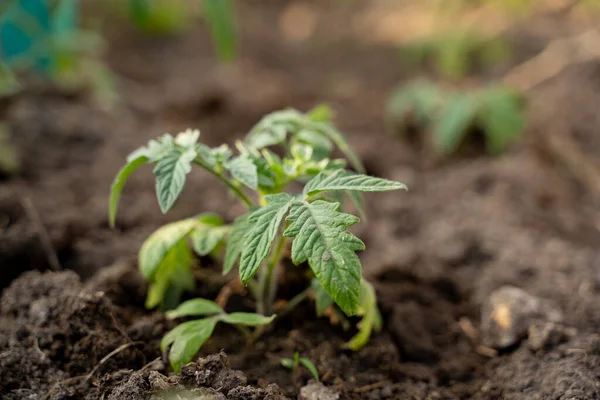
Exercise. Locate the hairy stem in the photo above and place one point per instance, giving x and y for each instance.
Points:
(236, 190)
(267, 285)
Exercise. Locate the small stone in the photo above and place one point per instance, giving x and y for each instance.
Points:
(545, 335)
(318, 391)
(508, 313)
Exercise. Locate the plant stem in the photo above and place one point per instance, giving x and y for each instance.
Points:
(299, 298)
(236, 190)
(267, 285)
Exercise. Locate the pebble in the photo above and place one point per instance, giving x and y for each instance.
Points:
(509, 312)
(318, 391)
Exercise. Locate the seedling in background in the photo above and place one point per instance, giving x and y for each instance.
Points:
(498, 112)
(311, 220)
(293, 364)
(167, 17)
(42, 38)
(454, 54)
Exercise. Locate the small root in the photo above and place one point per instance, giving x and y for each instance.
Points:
(109, 355)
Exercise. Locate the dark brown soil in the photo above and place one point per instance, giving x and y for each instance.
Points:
(435, 254)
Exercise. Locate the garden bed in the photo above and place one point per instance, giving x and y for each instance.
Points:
(435, 254)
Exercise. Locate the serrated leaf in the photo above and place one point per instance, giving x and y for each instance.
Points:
(310, 367)
(119, 183)
(247, 319)
(187, 339)
(265, 223)
(156, 247)
(322, 299)
(195, 307)
(343, 180)
(235, 244)
(243, 169)
(321, 237)
(220, 15)
(371, 317)
(171, 172)
(451, 127)
(502, 117)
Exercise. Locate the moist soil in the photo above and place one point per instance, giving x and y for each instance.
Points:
(72, 321)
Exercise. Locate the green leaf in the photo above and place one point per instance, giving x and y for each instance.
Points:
(220, 15)
(235, 244)
(247, 319)
(188, 138)
(195, 307)
(155, 150)
(419, 98)
(287, 363)
(187, 339)
(171, 171)
(322, 299)
(502, 117)
(173, 275)
(310, 367)
(273, 128)
(450, 128)
(265, 223)
(371, 317)
(207, 234)
(340, 141)
(314, 139)
(343, 180)
(321, 237)
(243, 169)
(119, 183)
(156, 293)
(321, 113)
(156, 247)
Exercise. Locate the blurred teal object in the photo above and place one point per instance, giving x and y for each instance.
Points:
(30, 30)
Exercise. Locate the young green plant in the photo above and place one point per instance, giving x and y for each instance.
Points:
(293, 364)
(311, 219)
(497, 111)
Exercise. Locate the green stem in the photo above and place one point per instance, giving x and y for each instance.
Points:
(293, 303)
(236, 190)
(267, 285)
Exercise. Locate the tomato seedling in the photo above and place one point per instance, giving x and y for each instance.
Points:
(311, 220)
(497, 111)
(293, 364)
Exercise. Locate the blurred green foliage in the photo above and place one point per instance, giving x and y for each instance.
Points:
(43, 38)
(9, 159)
(167, 17)
(455, 54)
(496, 111)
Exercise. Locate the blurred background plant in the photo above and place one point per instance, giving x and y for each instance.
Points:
(171, 17)
(449, 116)
(42, 43)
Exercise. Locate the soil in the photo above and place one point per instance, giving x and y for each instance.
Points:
(467, 227)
